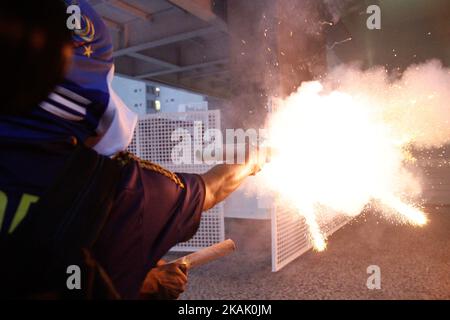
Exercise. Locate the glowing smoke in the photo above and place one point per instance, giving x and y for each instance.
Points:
(341, 144)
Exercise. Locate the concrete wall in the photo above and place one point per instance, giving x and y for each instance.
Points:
(132, 92)
(171, 99)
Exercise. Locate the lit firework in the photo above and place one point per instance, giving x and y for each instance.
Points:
(336, 152)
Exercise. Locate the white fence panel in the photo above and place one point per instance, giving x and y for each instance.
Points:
(290, 235)
(152, 142)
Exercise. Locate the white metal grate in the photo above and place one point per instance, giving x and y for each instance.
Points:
(152, 141)
(290, 235)
(134, 144)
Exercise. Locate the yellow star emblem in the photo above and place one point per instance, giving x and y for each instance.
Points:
(88, 51)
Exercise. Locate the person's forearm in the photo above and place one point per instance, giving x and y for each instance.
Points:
(222, 180)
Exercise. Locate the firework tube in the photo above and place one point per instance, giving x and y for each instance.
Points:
(207, 255)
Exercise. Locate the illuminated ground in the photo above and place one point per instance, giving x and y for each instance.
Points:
(414, 262)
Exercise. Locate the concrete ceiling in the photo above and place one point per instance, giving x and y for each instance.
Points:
(183, 43)
(187, 43)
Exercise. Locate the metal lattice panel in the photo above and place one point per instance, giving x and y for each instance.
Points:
(153, 142)
(133, 147)
(290, 235)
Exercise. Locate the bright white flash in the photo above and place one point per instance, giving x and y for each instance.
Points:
(334, 151)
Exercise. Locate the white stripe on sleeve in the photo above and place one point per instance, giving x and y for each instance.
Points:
(56, 97)
(59, 112)
(72, 95)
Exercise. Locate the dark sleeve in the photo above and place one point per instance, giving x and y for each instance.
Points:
(153, 212)
(171, 212)
(191, 205)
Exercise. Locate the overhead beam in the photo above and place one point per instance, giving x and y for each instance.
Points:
(130, 9)
(205, 74)
(165, 41)
(202, 9)
(181, 69)
(114, 25)
(152, 60)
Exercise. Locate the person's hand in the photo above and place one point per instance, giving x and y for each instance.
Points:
(165, 281)
(257, 158)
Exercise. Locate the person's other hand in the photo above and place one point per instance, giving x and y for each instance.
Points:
(165, 281)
